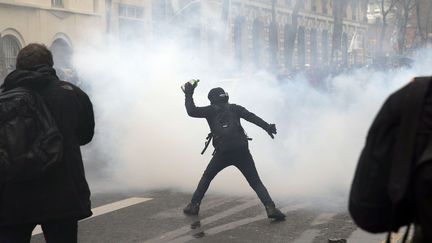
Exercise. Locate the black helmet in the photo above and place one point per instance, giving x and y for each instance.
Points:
(217, 96)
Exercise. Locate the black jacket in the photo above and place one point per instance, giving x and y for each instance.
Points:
(210, 111)
(64, 192)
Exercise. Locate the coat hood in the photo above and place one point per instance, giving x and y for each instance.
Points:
(35, 78)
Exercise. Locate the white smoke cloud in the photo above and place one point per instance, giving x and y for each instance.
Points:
(145, 139)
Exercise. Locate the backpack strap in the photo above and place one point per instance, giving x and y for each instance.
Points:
(208, 140)
(404, 146)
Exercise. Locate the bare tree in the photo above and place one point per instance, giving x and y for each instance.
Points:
(423, 13)
(384, 14)
(406, 8)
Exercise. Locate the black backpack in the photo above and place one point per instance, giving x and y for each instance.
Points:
(379, 199)
(226, 130)
(30, 142)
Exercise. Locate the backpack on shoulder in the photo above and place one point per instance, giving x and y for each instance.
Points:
(30, 142)
(379, 200)
(227, 132)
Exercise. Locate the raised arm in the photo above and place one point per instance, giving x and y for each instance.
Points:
(191, 108)
(251, 117)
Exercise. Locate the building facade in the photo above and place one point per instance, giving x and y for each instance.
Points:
(129, 19)
(59, 24)
(281, 35)
(302, 42)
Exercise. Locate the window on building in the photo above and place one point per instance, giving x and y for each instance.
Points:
(238, 40)
(288, 46)
(345, 49)
(57, 3)
(313, 5)
(324, 6)
(122, 10)
(313, 48)
(288, 2)
(62, 54)
(273, 37)
(354, 10)
(131, 11)
(131, 21)
(11, 47)
(257, 41)
(301, 48)
(324, 46)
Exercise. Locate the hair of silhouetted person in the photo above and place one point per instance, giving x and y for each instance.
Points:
(34, 54)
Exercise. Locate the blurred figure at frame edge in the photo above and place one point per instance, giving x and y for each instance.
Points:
(392, 185)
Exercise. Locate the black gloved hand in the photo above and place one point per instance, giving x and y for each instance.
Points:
(189, 88)
(271, 129)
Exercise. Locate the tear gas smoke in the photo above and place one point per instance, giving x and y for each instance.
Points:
(145, 140)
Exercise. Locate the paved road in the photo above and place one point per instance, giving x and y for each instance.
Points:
(152, 217)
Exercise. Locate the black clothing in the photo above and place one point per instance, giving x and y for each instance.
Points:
(191, 209)
(241, 158)
(422, 194)
(210, 111)
(64, 231)
(423, 201)
(63, 193)
(217, 96)
(418, 175)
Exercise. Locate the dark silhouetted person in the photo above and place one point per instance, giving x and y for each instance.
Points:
(61, 197)
(230, 149)
(392, 186)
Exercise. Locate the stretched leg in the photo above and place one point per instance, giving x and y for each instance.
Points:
(246, 165)
(216, 164)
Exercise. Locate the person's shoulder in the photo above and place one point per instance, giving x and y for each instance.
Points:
(68, 87)
(413, 84)
(236, 106)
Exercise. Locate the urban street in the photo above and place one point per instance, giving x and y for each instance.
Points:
(157, 216)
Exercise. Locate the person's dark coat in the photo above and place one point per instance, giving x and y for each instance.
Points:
(210, 111)
(415, 182)
(63, 192)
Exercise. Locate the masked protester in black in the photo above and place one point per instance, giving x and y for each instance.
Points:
(238, 157)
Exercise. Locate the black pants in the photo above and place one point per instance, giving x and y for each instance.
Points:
(64, 231)
(242, 159)
(423, 203)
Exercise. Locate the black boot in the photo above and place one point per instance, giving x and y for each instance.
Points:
(191, 209)
(274, 213)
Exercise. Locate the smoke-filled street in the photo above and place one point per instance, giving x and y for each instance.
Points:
(214, 120)
(158, 217)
